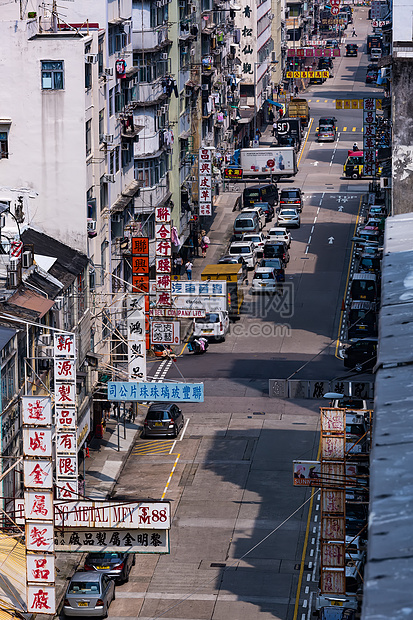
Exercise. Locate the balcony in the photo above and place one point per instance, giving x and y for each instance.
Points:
(149, 39)
(151, 197)
(148, 92)
(148, 144)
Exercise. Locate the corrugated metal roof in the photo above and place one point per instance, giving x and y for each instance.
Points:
(13, 573)
(25, 298)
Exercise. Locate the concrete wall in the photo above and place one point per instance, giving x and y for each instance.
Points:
(402, 108)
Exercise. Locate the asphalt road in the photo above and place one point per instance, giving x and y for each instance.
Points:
(239, 526)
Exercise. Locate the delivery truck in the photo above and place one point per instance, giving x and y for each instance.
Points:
(268, 163)
(299, 108)
(289, 128)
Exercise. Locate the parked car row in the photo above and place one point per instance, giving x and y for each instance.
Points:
(364, 293)
(91, 591)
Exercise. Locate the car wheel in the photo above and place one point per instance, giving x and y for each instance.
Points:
(355, 175)
(175, 433)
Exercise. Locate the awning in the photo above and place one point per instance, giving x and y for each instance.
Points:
(13, 570)
(30, 300)
(125, 197)
(185, 135)
(277, 105)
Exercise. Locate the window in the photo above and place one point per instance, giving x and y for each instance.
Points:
(100, 55)
(52, 74)
(111, 98)
(112, 162)
(150, 171)
(88, 137)
(4, 149)
(117, 151)
(101, 124)
(103, 194)
(88, 68)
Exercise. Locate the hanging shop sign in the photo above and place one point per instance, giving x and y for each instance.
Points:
(178, 392)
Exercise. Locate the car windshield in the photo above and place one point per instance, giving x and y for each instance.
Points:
(244, 223)
(242, 249)
(351, 403)
(84, 587)
(361, 317)
(327, 128)
(157, 415)
(289, 194)
(105, 556)
(288, 212)
(275, 263)
(266, 275)
(277, 233)
(254, 239)
(251, 194)
(210, 317)
(355, 429)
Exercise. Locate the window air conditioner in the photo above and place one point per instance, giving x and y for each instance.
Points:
(13, 279)
(164, 56)
(109, 178)
(108, 71)
(91, 225)
(91, 59)
(27, 259)
(45, 340)
(159, 112)
(385, 182)
(14, 264)
(107, 138)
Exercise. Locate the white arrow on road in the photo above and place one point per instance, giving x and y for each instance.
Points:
(342, 199)
(315, 163)
(330, 240)
(340, 208)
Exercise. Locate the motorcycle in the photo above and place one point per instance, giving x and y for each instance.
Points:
(197, 346)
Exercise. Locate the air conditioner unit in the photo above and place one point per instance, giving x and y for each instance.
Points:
(116, 218)
(14, 264)
(107, 138)
(45, 340)
(27, 259)
(273, 56)
(109, 178)
(108, 71)
(385, 182)
(91, 59)
(91, 225)
(159, 112)
(204, 87)
(192, 52)
(58, 302)
(164, 56)
(13, 279)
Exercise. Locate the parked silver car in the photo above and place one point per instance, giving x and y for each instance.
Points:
(163, 419)
(89, 594)
(115, 564)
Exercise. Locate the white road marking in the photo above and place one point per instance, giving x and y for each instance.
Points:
(312, 230)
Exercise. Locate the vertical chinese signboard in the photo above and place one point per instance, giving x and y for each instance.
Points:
(140, 264)
(369, 137)
(333, 444)
(66, 416)
(38, 503)
(247, 46)
(136, 337)
(163, 251)
(205, 181)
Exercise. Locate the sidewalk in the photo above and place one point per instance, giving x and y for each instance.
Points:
(103, 469)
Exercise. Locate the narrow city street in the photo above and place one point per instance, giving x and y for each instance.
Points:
(240, 529)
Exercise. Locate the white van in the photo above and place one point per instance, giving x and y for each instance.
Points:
(246, 222)
(375, 53)
(246, 250)
(214, 324)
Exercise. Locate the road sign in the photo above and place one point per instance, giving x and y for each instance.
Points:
(270, 163)
(354, 104)
(335, 10)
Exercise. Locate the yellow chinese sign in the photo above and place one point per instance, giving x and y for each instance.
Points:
(307, 74)
(354, 104)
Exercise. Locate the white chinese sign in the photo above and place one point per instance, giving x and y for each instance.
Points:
(40, 568)
(369, 137)
(165, 332)
(39, 505)
(40, 536)
(37, 441)
(37, 410)
(41, 599)
(37, 474)
(125, 515)
(106, 541)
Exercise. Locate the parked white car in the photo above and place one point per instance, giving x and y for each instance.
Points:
(289, 218)
(260, 213)
(213, 325)
(246, 249)
(280, 234)
(264, 280)
(258, 239)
